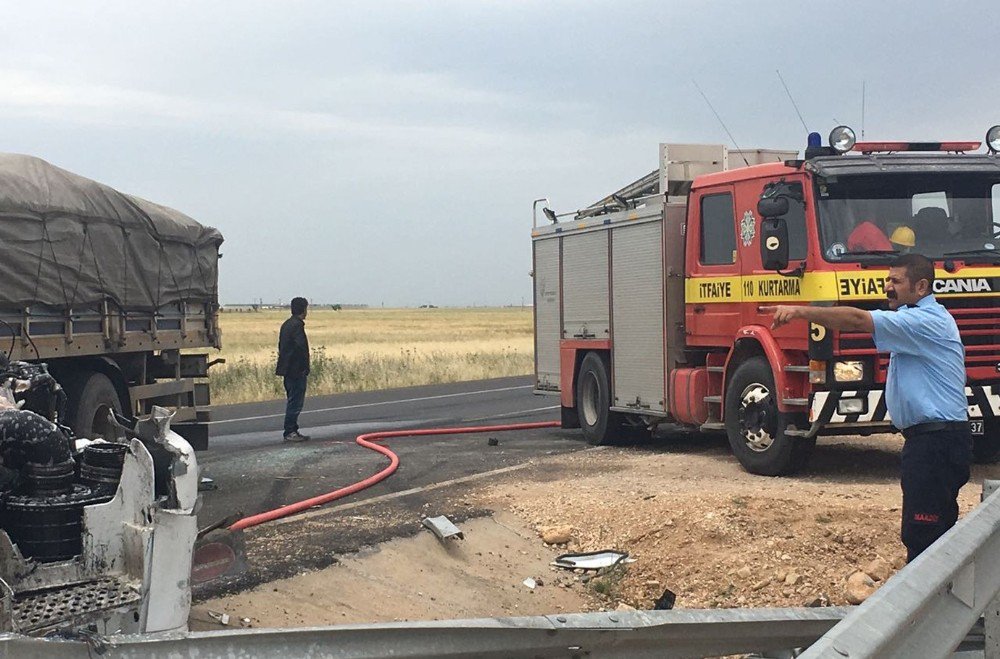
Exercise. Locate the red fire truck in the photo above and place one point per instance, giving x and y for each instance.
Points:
(647, 303)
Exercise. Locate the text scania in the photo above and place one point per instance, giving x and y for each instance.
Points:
(715, 289)
(962, 286)
(775, 287)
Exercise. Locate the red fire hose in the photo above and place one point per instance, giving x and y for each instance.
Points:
(369, 441)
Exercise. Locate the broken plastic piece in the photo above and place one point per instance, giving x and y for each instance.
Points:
(442, 527)
(594, 560)
(222, 618)
(530, 583)
(666, 601)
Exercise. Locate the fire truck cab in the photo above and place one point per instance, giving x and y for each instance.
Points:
(648, 302)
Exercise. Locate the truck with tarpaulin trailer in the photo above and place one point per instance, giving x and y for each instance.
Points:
(114, 293)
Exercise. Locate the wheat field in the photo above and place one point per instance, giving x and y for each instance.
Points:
(368, 349)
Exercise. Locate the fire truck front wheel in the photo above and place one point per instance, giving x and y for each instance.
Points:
(593, 401)
(756, 427)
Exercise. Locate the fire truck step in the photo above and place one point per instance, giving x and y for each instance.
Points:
(713, 399)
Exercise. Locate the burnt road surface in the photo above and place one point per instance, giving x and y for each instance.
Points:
(254, 470)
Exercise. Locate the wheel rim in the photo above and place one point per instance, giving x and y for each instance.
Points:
(758, 417)
(590, 395)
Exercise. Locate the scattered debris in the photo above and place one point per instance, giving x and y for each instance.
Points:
(594, 560)
(530, 583)
(246, 622)
(206, 484)
(221, 618)
(666, 601)
(492, 441)
(442, 527)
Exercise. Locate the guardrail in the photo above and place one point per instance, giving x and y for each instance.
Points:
(926, 610)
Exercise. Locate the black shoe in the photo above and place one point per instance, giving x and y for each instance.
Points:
(296, 436)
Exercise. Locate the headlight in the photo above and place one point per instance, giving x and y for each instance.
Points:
(993, 139)
(848, 371)
(842, 139)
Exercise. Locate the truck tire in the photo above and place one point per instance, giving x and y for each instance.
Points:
(600, 425)
(755, 426)
(986, 448)
(91, 396)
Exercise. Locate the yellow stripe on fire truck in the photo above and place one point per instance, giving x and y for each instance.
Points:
(831, 286)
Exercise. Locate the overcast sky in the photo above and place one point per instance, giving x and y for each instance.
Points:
(388, 152)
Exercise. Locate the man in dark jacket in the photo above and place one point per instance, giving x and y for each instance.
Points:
(293, 365)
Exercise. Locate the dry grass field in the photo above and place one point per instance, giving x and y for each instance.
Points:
(367, 349)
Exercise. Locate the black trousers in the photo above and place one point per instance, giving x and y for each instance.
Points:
(935, 467)
(295, 390)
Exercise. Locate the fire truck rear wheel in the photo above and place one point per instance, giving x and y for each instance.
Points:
(593, 401)
(91, 395)
(756, 427)
(986, 448)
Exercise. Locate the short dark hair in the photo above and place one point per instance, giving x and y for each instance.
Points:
(917, 267)
(299, 305)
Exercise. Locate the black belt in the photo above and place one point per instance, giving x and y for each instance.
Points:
(934, 426)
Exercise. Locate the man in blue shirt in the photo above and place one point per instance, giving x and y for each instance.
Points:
(925, 392)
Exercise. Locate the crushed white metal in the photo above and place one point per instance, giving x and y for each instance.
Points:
(133, 572)
(594, 560)
(442, 527)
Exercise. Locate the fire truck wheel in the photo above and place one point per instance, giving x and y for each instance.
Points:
(986, 447)
(593, 401)
(91, 396)
(755, 426)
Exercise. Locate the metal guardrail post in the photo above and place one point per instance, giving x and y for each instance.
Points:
(991, 615)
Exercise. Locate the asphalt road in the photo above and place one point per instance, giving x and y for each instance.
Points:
(254, 470)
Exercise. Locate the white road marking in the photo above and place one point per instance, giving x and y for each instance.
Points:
(386, 402)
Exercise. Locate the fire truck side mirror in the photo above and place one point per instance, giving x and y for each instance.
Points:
(772, 206)
(774, 242)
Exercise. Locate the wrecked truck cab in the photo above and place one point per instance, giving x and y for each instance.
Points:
(88, 544)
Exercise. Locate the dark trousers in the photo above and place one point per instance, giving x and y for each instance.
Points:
(935, 467)
(295, 389)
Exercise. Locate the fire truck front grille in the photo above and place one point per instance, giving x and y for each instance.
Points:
(978, 322)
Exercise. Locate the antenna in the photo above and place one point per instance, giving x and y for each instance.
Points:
(710, 107)
(792, 100)
(863, 109)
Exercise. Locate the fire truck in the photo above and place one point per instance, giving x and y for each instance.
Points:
(648, 303)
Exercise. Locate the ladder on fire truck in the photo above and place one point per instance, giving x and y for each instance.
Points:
(679, 165)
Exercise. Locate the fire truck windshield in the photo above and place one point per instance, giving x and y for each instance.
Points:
(874, 217)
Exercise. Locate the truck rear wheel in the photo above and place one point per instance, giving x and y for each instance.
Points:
(756, 427)
(986, 448)
(91, 397)
(593, 401)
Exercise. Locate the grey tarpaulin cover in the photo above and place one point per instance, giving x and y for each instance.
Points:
(67, 241)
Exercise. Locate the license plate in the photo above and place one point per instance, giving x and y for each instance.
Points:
(976, 427)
